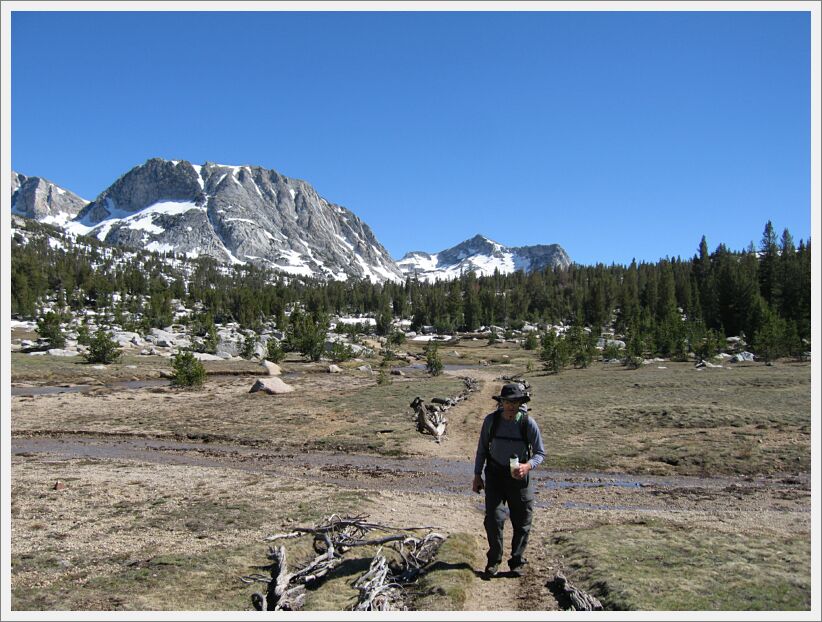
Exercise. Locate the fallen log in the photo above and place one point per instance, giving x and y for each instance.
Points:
(575, 598)
(429, 417)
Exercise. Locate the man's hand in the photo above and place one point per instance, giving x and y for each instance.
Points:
(477, 486)
(522, 470)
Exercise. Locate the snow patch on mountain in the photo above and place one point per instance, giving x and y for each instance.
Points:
(482, 256)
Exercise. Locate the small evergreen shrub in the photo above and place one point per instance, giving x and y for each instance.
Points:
(249, 346)
(274, 351)
(433, 361)
(102, 348)
(188, 371)
(341, 352)
(48, 327)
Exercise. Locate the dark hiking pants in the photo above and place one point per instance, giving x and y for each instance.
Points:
(502, 489)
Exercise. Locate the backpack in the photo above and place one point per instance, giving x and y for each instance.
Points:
(523, 433)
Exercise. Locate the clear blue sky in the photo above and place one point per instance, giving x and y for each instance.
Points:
(616, 135)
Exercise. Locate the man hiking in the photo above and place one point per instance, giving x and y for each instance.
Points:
(510, 446)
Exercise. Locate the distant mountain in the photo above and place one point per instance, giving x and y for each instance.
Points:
(483, 256)
(40, 199)
(236, 214)
(248, 214)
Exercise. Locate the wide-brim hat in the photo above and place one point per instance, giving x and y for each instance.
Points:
(513, 392)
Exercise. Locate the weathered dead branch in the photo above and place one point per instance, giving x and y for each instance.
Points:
(380, 587)
(430, 418)
(578, 599)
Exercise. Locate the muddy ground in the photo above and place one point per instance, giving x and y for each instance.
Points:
(165, 496)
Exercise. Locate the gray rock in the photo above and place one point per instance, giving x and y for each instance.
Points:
(272, 368)
(366, 368)
(272, 386)
(334, 369)
(742, 357)
(204, 356)
(61, 352)
(125, 338)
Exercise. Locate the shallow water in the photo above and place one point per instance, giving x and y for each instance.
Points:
(82, 388)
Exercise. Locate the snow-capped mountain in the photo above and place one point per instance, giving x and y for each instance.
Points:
(483, 256)
(42, 200)
(237, 214)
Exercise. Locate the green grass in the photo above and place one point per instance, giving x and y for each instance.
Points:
(445, 585)
(658, 565)
(207, 581)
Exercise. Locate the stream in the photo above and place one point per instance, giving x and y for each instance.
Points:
(354, 471)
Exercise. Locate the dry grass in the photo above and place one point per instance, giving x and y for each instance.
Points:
(678, 420)
(129, 536)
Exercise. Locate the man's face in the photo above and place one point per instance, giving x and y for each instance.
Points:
(510, 406)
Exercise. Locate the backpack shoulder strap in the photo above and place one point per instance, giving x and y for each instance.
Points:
(523, 432)
(492, 432)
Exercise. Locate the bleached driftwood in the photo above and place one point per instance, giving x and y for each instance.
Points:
(430, 418)
(580, 600)
(332, 539)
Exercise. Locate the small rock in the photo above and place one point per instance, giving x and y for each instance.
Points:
(272, 368)
(59, 485)
(164, 373)
(397, 372)
(366, 368)
(333, 369)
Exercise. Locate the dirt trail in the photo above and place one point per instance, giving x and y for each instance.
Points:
(503, 592)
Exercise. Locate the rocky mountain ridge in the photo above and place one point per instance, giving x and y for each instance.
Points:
(482, 256)
(237, 214)
(248, 214)
(42, 200)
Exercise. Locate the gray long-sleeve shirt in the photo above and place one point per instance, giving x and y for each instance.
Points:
(508, 440)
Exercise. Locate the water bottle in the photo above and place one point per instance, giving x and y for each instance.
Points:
(513, 463)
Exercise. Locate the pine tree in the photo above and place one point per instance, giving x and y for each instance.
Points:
(581, 346)
(634, 348)
(307, 334)
(433, 361)
(554, 352)
(249, 346)
(49, 328)
(188, 371)
(769, 340)
(273, 350)
(102, 348)
(768, 268)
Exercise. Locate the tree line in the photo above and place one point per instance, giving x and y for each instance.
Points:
(762, 293)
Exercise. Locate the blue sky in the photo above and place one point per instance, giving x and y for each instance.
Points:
(616, 135)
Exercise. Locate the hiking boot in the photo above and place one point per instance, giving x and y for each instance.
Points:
(517, 567)
(491, 570)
